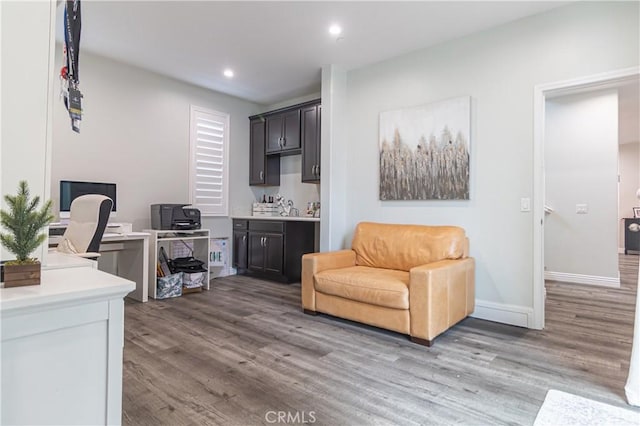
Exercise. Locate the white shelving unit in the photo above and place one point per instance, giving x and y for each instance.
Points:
(197, 239)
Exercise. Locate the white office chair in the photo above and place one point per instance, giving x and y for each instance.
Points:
(89, 215)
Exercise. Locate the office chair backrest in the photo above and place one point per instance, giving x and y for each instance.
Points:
(89, 216)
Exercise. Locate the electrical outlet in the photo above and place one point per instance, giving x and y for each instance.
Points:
(582, 209)
(525, 204)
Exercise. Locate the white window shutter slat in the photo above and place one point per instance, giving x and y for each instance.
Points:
(209, 171)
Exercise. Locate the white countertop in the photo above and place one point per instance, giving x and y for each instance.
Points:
(280, 218)
(65, 286)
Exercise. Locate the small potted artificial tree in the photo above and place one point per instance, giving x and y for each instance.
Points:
(24, 221)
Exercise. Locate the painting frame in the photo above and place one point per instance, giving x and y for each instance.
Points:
(425, 152)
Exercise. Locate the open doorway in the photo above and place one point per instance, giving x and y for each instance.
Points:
(581, 187)
(592, 322)
(628, 166)
(542, 93)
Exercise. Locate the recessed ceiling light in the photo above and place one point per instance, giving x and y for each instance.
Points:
(335, 29)
(228, 73)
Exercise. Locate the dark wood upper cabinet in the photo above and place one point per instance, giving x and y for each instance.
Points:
(287, 131)
(283, 132)
(274, 133)
(263, 170)
(310, 131)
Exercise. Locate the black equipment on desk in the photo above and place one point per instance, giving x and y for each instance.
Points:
(174, 216)
(186, 264)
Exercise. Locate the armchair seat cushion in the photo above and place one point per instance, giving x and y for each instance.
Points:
(374, 286)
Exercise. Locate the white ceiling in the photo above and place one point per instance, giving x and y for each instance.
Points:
(276, 48)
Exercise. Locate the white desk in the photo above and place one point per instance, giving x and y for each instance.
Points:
(133, 258)
(58, 260)
(62, 345)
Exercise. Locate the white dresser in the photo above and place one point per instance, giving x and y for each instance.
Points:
(61, 351)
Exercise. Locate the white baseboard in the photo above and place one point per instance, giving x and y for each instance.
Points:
(520, 316)
(583, 279)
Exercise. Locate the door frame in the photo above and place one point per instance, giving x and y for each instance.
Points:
(540, 94)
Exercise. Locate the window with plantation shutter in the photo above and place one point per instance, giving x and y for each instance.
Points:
(209, 172)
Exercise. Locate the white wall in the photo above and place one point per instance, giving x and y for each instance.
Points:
(629, 167)
(26, 74)
(581, 167)
(498, 68)
(336, 171)
(291, 185)
(135, 132)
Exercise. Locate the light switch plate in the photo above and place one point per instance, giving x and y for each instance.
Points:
(525, 204)
(582, 209)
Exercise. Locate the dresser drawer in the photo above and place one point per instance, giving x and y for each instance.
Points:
(239, 224)
(266, 226)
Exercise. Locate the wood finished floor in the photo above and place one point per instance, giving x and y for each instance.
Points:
(238, 353)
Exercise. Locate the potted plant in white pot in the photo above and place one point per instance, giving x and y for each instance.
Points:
(23, 221)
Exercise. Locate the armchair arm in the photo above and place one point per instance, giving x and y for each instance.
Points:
(440, 295)
(312, 263)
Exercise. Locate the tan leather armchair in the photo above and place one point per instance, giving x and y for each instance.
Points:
(413, 279)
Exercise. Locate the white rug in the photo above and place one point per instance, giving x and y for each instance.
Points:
(561, 408)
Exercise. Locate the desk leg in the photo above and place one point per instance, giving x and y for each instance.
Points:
(133, 264)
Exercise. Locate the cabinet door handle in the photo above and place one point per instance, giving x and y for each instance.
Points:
(261, 175)
(244, 238)
(313, 172)
(318, 170)
(280, 142)
(284, 141)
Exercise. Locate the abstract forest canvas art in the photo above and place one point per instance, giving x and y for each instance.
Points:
(424, 151)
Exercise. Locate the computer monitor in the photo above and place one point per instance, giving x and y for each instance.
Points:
(69, 190)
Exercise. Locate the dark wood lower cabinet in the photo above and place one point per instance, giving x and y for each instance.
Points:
(266, 253)
(255, 255)
(240, 250)
(274, 251)
(631, 239)
(274, 248)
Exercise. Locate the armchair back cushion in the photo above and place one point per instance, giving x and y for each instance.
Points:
(402, 247)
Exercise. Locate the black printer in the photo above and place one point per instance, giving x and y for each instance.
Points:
(174, 216)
